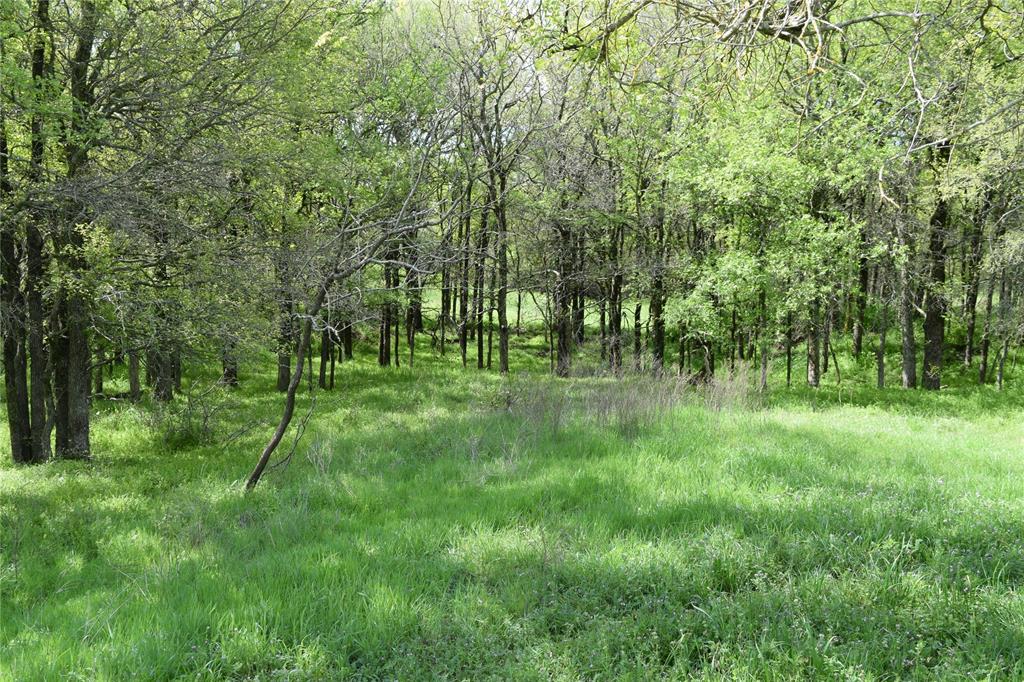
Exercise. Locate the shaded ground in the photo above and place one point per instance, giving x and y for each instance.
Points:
(439, 523)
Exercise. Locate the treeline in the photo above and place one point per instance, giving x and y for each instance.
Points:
(188, 183)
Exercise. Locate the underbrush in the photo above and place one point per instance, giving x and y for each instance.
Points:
(438, 523)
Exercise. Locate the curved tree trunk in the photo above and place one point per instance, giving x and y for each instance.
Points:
(293, 388)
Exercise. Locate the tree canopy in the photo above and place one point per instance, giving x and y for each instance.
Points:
(704, 183)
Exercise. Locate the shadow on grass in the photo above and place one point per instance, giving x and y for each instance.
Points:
(438, 541)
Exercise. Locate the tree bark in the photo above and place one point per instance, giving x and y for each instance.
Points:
(826, 339)
(883, 328)
(490, 315)
(861, 296)
(1005, 305)
(397, 325)
(615, 300)
(346, 340)
(326, 353)
(284, 345)
(762, 330)
(35, 273)
(707, 371)
(789, 349)
(12, 302)
(579, 302)
(972, 274)
(986, 336)
(335, 353)
(502, 247)
(732, 340)
(814, 345)
(563, 313)
(446, 289)
(290, 392)
(464, 275)
(161, 366)
(134, 389)
(480, 282)
(908, 344)
(74, 307)
(657, 312)
(229, 364)
(935, 301)
(638, 340)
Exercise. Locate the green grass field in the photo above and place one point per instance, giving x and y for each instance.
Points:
(437, 522)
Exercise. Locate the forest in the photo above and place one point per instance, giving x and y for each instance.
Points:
(511, 339)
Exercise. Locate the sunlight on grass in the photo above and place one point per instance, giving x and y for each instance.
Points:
(436, 522)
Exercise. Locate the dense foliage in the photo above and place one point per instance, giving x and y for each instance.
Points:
(654, 201)
(183, 182)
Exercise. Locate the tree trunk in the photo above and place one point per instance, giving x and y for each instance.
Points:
(134, 389)
(12, 301)
(76, 390)
(563, 313)
(309, 359)
(229, 364)
(39, 369)
(502, 247)
(397, 326)
(58, 347)
(446, 290)
(935, 302)
(972, 267)
(707, 371)
(883, 328)
(762, 332)
(908, 344)
(480, 283)
(657, 312)
(335, 352)
(1001, 367)
(682, 349)
(35, 273)
(789, 349)
(638, 339)
(284, 346)
(414, 313)
(826, 339)
(176, 367)
(464, 278)
(1005, 305)
(732, 340)
(15, 358)
(579, 293)
(490, 315)
(384, 340)
(986, 336)
(291, 391)
(346, 340)
(161, 367)
(326, 353)
(861, 297)
(410, 333)
(814, 345)
(616, 244)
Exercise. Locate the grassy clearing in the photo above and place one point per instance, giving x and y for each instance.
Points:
(442, 523)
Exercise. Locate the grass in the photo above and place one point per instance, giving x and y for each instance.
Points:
(443, 523)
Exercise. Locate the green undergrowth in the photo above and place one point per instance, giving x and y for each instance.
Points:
(442, 523)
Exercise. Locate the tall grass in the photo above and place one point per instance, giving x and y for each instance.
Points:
(437, 523)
